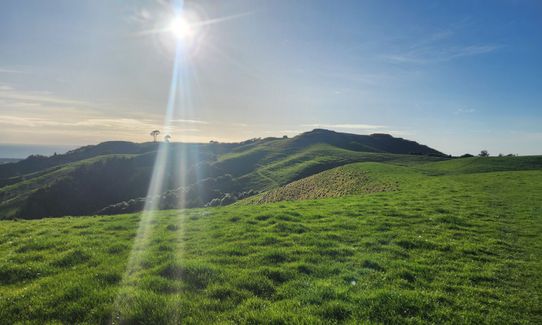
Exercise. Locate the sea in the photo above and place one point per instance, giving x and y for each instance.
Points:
(21, 151)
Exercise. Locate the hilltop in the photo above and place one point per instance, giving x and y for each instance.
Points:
(113, 177)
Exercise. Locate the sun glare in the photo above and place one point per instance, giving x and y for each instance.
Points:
(181, 29)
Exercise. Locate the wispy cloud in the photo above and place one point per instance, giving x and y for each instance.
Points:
(5, 88)
(284, 132)
(15, 70)
(440, 46)
(141, 15)
(30, 115)
(12, 95)
(184, 121)
(368, 79)
(97, 123)
(432, 54)
(465, 110)
(346, 126)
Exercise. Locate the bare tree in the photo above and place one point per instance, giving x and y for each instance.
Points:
(167, 138)
(155, 134)
(484, 153)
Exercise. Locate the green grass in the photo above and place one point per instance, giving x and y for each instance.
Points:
(351, 179)
(280, 169)
(484, 164)
(448, 248)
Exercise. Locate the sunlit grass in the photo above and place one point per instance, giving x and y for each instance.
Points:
(442, 249)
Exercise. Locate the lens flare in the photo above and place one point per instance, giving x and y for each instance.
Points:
(188, 29)
(181, 29)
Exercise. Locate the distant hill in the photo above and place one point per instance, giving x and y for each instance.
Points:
(114, 176)
(377, 142)
(39, 162)
(8, 160)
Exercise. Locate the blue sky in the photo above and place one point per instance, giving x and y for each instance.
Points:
(460, 76)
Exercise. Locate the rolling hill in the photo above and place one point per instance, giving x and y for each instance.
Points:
(113, 177)
(351, 179)
(447, 245)
(389, 175)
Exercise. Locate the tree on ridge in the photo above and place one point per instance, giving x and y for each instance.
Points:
(155, 134)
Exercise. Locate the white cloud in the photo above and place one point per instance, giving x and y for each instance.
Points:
(12, 95)
(189, 121)
(465, 110)
(284, 132)
(141, 15)
(439, 47)
(12, 70)
(5, 88)
(432, 54)
(346, 126)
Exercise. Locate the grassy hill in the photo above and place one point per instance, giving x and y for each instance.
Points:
(341, 181)
(373, 177)
(113, 177)
(484, 164)
(447, 245)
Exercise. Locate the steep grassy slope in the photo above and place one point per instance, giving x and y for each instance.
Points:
(271, 162)
(314, 159)
(76, 184)
(341, 181)
(460, 248)
(86, 186)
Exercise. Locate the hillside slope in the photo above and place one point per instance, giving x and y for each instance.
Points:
(386, 174)
(460, 248)
(114, 176)
(346, 180)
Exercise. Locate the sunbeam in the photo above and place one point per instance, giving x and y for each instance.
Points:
(178, 88)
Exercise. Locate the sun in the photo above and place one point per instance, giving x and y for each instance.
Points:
(181, 29)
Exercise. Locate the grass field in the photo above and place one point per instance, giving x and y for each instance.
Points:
(447, 245)
(342, 181)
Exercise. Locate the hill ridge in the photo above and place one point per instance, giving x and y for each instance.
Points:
(114, 172)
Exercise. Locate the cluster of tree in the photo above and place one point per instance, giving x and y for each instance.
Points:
(155, 133)
(250, 141)
(176, 199)
(87, 189)
(485, 153)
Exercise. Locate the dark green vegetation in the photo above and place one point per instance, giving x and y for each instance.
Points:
(113, 177)
(454, 242)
